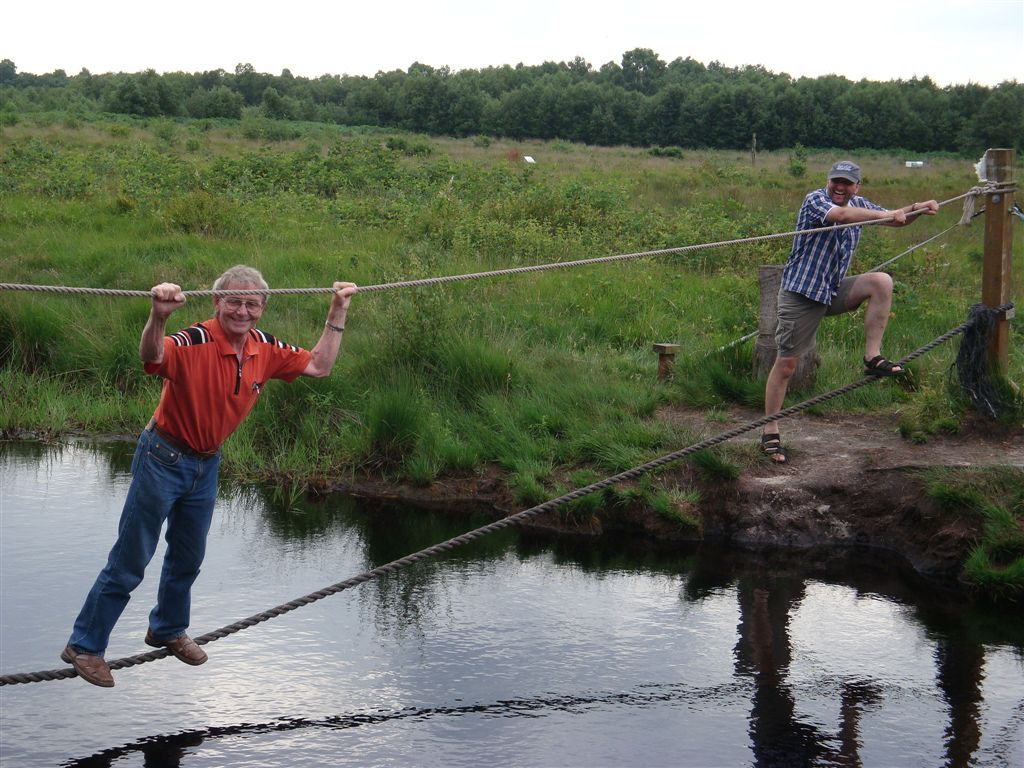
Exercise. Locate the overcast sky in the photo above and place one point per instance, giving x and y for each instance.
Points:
(951, 41)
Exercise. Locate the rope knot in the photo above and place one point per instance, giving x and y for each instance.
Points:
(972, 196)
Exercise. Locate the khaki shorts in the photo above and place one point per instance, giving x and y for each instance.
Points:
(799, 318)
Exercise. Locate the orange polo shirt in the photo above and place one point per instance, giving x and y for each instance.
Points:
(207, 393)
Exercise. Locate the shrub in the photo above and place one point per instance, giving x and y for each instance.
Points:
(264, 129)
(164, 130)
(201, 213)
(417, 148)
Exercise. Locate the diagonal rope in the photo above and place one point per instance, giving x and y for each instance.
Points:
(474, 275)
(519, 517)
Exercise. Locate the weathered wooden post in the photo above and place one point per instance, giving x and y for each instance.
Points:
(769, 278)
(997, 269)
(666, 356)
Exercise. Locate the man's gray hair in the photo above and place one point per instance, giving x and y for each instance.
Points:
(242, 276)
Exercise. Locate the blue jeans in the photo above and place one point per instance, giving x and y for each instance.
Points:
(166, 485)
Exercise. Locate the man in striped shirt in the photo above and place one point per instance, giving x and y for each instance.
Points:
(815, 284)
(213, 373)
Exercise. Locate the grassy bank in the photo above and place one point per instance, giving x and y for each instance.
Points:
(541, 375)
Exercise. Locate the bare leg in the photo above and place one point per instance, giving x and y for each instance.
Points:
(775, 394)
(775, 389)
(876, 289)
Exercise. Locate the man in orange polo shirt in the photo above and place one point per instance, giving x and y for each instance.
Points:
(213, 373)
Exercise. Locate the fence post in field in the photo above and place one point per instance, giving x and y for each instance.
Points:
(997, 270)
(666, 357)
(769, 278)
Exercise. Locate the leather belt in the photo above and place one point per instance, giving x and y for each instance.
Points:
(178, 444)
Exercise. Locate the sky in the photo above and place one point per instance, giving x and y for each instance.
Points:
(950, 41)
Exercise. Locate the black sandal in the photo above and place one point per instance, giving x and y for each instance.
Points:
(771, 446)
(879, 366)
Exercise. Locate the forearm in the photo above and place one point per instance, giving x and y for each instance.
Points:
(914, 211)
(325, 352)
(167, 297)
(848, 214)
(151, 344)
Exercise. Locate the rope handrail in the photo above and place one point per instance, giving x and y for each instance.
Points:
(974, 191)
(515, 519)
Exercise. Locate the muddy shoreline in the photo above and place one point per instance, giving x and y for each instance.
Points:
(850, 482)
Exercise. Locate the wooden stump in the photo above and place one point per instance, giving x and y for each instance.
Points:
(666, 356)
(769, 278)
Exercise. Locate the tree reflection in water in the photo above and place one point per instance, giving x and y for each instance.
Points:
(771, 585)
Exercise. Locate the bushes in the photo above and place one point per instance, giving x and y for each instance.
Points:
(412, 148)
(220, 101)
(200, 213)
(798, 162)
(258, 128)
(36, 167)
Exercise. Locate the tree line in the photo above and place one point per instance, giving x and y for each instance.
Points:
(641, 101)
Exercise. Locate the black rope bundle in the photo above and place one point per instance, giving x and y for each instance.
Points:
(989, 397)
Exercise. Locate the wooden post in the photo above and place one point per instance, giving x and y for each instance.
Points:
(666, 356)
(997, 271)
(753, 148)
(769, 278)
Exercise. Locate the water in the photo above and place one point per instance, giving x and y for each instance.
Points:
(511, 651)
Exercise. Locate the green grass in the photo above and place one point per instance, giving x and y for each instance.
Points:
(995, 497)
(539, 374)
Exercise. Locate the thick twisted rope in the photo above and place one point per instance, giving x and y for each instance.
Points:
(471, 276)
(519, 517)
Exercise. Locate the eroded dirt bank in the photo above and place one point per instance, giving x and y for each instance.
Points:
(849, 481)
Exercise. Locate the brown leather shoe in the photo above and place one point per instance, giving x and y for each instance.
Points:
(90, 667)
(184, 648)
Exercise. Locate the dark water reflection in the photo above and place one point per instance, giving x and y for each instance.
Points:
(514, 650)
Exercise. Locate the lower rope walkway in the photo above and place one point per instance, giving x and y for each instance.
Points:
(465, 538)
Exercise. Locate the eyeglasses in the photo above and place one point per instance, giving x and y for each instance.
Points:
(235, 304)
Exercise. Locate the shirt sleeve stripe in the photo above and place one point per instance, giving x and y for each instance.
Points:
(262, 337)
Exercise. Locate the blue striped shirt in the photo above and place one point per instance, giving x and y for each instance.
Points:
(818, 263)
